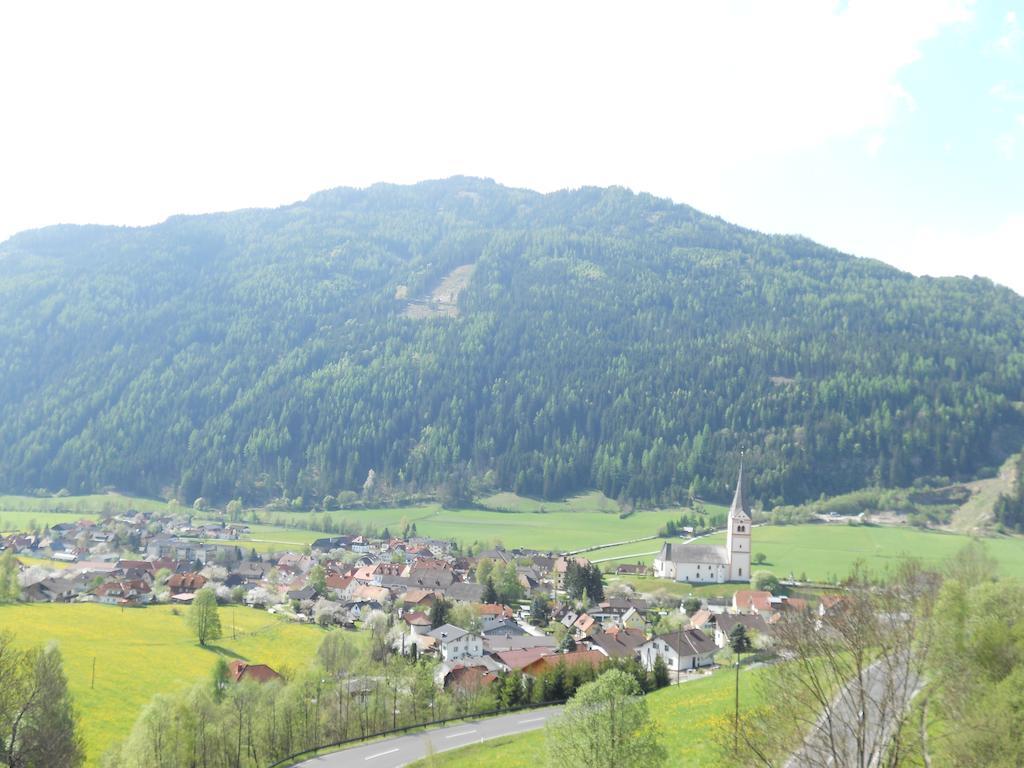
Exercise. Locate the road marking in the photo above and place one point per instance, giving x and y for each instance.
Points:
(533, 720)
(457, 735)
(381, 754)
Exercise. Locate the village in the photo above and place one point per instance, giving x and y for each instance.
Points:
(498, 611)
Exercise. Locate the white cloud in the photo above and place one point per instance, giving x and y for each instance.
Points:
(129, 112)
(1012, 33)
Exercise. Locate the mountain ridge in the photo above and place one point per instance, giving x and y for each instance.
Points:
(606, 339)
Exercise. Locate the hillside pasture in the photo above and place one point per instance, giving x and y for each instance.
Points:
(684, 714)
(140, 652)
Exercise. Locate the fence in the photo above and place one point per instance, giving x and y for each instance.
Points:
(313, 751)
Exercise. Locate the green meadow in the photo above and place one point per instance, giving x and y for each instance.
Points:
(684, 714)
(140, 652)
(574, 524)
(824, 551)
(93, 503)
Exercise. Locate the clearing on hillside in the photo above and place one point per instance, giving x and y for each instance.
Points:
(444, 299)
(976, 516)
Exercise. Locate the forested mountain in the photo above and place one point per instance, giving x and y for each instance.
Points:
(604, 339)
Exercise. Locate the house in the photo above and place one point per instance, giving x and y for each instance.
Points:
(752, 600)
(465, 592)
(757, 628)
(418, 623)
(499, 625)
(702, 618)
(431, 578)
(123, 593)
(562, 565)
(181, 583)
(305, 593)
(543, 663)
(615, 608)
(618, 643)
(330, 542)
(337, 584)
(492, 610)
(56, 589)
(241, 671)
(633, 619)
(479, 663)
(702, 564)
(456, 643)
(529, 578)
(631, 569)
(252, 570)
(498, 555)
(468, 680)
(417, 599)
(495, 643)
(522, 657)
(583, 624)
(681, 650)
(831, 605)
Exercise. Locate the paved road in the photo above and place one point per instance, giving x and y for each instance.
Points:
(856, 730)
(402, 750)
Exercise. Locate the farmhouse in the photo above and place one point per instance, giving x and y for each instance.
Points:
(456, 643)
(701, 564)
(259, 673)
(685, 649)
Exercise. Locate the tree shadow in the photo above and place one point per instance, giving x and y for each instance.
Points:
(220, 650)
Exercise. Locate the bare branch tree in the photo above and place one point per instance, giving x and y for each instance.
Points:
(840, 695)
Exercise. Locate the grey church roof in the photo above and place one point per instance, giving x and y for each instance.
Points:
(693, 553)
(738, 508)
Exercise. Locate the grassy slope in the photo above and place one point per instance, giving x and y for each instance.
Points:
(684, 714)
(142, 652)
(976, 516)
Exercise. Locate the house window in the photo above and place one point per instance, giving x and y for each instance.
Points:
(741, 571)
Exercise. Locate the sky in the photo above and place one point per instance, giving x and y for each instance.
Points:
(890, 130)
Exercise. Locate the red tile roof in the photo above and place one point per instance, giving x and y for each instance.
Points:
(544, 663)
(260, 673)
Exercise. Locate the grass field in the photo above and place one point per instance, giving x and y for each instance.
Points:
(93, 503)
(560, 530)
(823, 551)
(595, 501)
(144, 651)
(11, 520)
(684, 714)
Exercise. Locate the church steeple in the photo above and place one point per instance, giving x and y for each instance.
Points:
(738, 507)
(738, 536)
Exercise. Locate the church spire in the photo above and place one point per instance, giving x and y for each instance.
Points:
(738, 507)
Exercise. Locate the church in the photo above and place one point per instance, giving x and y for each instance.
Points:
(702, 564)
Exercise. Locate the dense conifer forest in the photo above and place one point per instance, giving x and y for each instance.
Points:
(604, 340)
